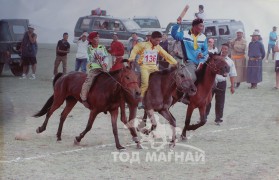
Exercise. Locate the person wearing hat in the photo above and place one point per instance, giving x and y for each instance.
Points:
(256, 53)
(238, 50)
(29, 49)
(62, 49)
(117, 51)
(82, 56)
(271, 43)
(98, 62)
(148, 36)
(148, 54)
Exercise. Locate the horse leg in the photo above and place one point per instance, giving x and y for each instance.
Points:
(55, 105)
(91, 119)
(143, 122)
(114, 115)
(167, 115)
(150, 114)
(70, 103)
(129, 124)
(202, 111)
(189, 113)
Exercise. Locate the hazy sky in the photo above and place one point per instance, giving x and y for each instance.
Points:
(52, 17)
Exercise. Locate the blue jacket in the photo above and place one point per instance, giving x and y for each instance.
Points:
(189, 44)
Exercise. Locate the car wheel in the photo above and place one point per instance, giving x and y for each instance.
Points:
(1, 67)
(16, 69)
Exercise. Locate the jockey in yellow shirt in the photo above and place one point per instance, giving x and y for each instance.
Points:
(148, 52)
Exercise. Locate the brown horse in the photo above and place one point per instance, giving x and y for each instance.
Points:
(162, 85)
(205, 82)
(106, 94)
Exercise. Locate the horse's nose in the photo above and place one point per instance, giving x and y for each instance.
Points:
(137, 93)
(193, 89)
(227, 69)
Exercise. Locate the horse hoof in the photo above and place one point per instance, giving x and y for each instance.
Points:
(38, 130)
(121, 148)
(59, 139)
(171, 145)
(183, 138)
(76, 142)
(139, 146)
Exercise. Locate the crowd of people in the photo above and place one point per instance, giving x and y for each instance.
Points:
(156, 52)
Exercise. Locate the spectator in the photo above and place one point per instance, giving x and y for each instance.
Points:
(211, 46)
(256, 53)
(271, 43)
(220, 90)
(116, 50)
(29, 49)
(238, 47)
(276, 49)
(116, 26)
(133, 40)
(200, 14)
(260, 38)
(148, 36)
(82, 56)
(62, 49)
(164, 44)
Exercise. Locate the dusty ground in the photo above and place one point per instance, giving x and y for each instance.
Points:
(245, 146)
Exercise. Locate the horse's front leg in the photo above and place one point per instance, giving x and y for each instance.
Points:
(90, 122)
(189, 113)
(114, 115)
(166, 114)
(202, 111)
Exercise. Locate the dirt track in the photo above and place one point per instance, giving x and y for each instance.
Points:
(245, 146)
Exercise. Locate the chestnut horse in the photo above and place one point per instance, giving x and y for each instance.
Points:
(205, 81)
(106, 94)
(162, 84)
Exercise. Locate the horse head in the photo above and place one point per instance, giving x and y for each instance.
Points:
(218, 65)
(129, 82)
(185, 78)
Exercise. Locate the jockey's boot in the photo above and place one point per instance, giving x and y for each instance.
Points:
(140, 105)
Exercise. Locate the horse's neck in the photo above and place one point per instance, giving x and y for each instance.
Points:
(169, 84)
(208, 81)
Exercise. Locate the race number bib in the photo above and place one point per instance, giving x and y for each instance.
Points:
(150, 57)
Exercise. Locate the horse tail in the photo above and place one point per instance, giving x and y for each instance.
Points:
(46, 107)
(57, 76)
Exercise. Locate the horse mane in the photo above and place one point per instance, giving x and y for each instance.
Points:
(163, 72)
(201, 73)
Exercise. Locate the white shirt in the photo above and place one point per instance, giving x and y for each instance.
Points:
(215, 50)
(82, 47)
(232, 73)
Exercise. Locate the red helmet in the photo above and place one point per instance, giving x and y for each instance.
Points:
(92, 35)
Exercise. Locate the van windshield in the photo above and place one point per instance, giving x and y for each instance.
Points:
(130, 24)
(5, 34)
(148, 23)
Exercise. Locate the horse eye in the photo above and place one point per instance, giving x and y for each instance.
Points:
(127, 77)
(182, 75)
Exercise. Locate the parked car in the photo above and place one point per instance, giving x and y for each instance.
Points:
(148, 23)
(221, 30)
(105, 26)
(11, 35)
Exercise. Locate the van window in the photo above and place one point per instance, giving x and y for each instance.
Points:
(117, 25)
(4, 32)
(210, 31)
(85, 24)
(18, 29)
(102, 24)
(148, 23)
(223, 30)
